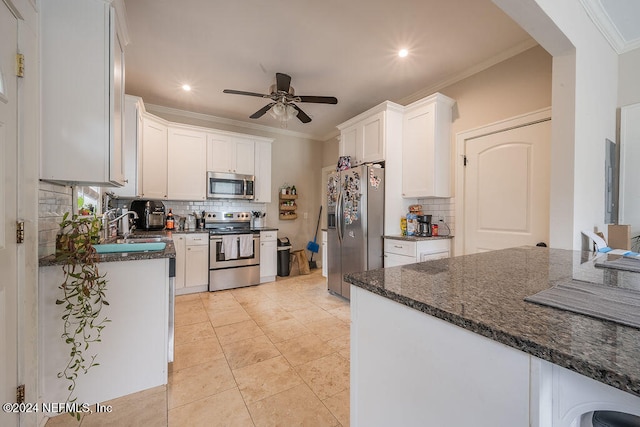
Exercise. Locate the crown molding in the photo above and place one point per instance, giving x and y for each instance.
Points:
(607, 27)
(503, 56)
(153, 108)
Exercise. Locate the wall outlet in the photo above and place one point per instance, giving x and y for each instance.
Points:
(305, 215)
(441, 218)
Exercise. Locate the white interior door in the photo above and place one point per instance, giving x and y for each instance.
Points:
(506, 188)
(8, 213)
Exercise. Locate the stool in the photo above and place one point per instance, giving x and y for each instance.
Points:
(614, 419)
(299, 257)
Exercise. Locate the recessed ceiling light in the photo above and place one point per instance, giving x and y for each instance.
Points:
(186, 88)
(403, 52)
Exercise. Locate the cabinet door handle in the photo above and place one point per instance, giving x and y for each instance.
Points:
(398, 246)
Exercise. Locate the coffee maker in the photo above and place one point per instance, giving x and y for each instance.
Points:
(424, 226)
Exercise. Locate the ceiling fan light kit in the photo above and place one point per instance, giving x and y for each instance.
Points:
(283, 99)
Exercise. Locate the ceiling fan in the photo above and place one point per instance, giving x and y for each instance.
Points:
(283, 99)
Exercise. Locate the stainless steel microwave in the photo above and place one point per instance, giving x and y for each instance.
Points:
(229, 186)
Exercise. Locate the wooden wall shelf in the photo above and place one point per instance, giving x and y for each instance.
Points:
(288, 206)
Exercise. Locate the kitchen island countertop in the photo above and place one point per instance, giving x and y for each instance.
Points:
(484, 293)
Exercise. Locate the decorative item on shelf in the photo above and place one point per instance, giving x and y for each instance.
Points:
(83, 295)
(287, 205)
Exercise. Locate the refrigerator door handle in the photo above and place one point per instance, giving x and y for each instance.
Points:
(339, 217)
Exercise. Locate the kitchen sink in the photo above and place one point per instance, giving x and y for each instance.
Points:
(110, 248)
(141, 240)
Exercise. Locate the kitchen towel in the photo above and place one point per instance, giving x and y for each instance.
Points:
(601, 301)
(230, 246)
(246, 245)
(622, 263)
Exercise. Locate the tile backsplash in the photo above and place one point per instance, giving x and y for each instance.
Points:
(53, 201)
(183, 208)
(440, 207)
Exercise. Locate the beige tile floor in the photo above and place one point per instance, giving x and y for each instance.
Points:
(276, 354)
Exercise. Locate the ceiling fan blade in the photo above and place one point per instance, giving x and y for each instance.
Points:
(283, 82)
(302, 115)
(262, 111)
(241, 92)
(319, 99)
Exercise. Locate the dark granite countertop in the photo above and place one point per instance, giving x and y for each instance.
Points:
(416, 238)
(168, 252)
(484, 293)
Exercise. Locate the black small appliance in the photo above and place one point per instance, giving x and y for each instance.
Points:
(424, 226)
(151, 214)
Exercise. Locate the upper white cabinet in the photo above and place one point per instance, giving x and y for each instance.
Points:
(82, 72)
(365, 137)
(262, 183)
(364, 141)
(187, 164)
(154, 158)
(230, 154)
(426, 148)
(133, 109)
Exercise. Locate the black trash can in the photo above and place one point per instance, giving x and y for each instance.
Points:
(284, 251)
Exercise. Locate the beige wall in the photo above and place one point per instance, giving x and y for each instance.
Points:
(628, 83)
(513, 87)
(294, 160)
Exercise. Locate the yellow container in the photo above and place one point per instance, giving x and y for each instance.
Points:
(403, 226)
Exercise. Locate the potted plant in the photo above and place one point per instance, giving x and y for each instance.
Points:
(83, 294)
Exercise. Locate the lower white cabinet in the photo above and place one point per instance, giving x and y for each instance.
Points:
(192, 262)
(268, 256)
(401, 252)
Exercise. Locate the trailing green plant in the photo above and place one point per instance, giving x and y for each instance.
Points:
(83, 296)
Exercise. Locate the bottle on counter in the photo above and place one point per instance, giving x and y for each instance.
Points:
(434, 229)
(170, 225)
(294, 191)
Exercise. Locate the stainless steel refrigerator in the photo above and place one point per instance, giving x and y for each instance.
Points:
(355, 222)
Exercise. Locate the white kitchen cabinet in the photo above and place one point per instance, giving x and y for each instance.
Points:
(83, 97)
(268, 256)
(262, 183)
(197, 260)
(426, 147)
(192, 262)
(133, 108)
(364, 137)
(401, 252)
(154, 162)
(325, 271)
(230, 154)
(187, 164)
(179, 242)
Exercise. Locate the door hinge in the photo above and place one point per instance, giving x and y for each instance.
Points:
(19, 65)
(464, 160)
(20, 232)
(20, 394)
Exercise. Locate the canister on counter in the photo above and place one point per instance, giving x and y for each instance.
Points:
(412, 223)
(434, 229)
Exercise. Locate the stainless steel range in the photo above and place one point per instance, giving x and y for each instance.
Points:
(234, 250)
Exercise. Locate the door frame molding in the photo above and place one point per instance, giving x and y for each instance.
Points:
(461, 139)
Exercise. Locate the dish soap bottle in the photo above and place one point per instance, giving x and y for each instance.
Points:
(170, 221)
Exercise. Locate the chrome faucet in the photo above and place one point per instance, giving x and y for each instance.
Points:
(124, 228)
